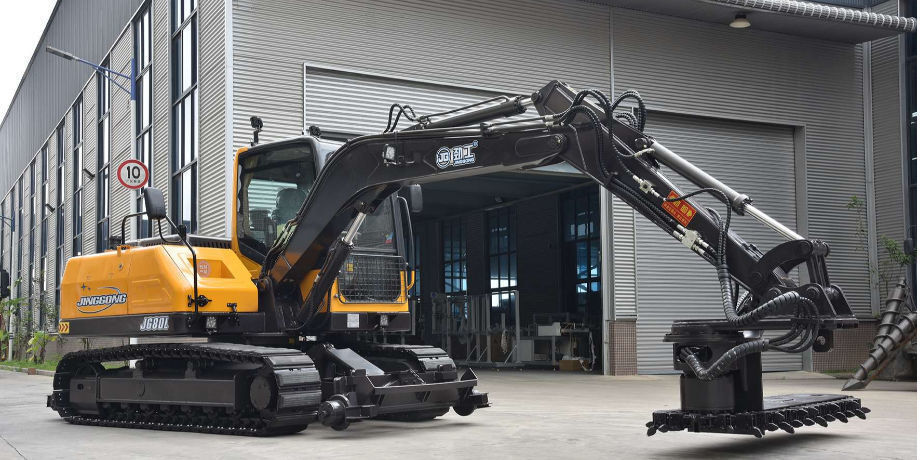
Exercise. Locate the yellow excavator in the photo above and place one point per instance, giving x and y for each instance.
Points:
(318, 255)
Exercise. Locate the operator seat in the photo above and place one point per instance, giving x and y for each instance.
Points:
(287, 203)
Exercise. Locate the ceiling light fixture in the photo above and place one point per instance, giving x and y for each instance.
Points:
(740, 22)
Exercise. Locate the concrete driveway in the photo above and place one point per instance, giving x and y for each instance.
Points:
(535, 415)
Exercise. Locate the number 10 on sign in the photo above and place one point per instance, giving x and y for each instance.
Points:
(133, 174)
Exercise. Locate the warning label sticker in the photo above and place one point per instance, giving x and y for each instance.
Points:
(680, 210)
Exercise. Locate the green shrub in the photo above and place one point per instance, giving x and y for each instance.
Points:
(37, 344)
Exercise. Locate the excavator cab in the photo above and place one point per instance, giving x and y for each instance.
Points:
(371, 290)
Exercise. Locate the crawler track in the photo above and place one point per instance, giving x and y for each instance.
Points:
(282, 381)
(786, 413)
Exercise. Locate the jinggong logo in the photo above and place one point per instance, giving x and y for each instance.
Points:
(456, 156)
(97, 303)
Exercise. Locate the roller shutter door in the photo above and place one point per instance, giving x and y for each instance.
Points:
(673, 283)
(345, 103)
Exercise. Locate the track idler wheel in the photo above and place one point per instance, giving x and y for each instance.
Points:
(332, 412)
(261, 392)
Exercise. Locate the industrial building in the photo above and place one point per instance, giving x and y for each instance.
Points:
(802, 112)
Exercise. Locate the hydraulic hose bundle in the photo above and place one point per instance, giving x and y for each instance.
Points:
(803, 333)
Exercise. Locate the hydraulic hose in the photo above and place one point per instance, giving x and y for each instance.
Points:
(722, 365)
(774, 305)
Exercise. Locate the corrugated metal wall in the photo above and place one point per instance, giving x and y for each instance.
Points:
(216, 159)
(161, 100)
(68, 184)
(89, 163)
(121, 119)
(886, 145)
(51, 268)
(692, 67)
(87, 28)
(676, 284)
(348, 103)
(625, 279)
(514, 49)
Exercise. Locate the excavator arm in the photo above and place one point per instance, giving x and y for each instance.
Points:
(720, 359)
(574, 128)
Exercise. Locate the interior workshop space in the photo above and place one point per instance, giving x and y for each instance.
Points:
(507, 270)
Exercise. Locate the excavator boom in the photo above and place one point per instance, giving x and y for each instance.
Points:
(569, 129)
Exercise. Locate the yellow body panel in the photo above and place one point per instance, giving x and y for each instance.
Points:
(156, 279)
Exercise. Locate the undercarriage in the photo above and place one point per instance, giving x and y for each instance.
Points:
(732, 400)
(240, 389)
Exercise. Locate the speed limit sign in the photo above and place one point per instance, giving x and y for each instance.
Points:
(133, 174)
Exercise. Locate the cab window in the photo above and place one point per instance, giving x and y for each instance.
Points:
(273, 186)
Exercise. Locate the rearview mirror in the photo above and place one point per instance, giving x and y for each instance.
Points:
(154, 203)
(415, 198)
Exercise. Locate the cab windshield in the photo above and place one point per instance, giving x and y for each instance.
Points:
(274, 185)
(377, 233)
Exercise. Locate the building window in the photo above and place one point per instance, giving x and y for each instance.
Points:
(103, 155)
(77, 205)
(502, 257)
(3, 226)
(184, 191)
(32, 279)
(45, 190)
(453, 246)
(143, 108)
(18, 272)
(59, 230)
(43, 237)
(581, 253)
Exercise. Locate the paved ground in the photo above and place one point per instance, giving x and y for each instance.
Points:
(535, 415)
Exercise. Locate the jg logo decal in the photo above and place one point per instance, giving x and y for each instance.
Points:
(97, 303)
(456, 156)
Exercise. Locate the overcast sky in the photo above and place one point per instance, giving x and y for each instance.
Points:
(21, 26)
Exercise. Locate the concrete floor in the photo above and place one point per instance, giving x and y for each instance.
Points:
(535, 415)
